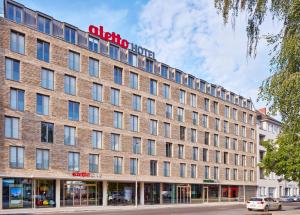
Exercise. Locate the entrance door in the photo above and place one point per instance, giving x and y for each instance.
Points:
(92, 195)
(80, 195)
(183, 194)
(205, 194)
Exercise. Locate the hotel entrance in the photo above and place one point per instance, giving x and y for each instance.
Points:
(183, 194)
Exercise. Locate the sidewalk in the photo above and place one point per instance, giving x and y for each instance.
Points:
(110, 208)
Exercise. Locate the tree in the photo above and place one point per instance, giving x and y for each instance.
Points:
(281, 90)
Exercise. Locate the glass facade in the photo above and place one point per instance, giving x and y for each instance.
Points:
(121, 193)
(152, 193)
(45, 193)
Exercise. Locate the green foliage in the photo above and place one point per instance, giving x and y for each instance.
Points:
(281, 90)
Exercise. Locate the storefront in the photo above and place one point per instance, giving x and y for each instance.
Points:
(211, 193)
(229, 193)
(44, 193)
(152, 193)
(196, 195)
(121, 193)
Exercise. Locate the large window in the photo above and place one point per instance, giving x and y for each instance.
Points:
(17, 99)
(114, 52)
(153, 87)
(11, 127)
(93, 115)
(47, 79)
(180, 114)
(43, 49)
(153, 127)
(17, 42)
(42, 159)
(118, 165)
(193, 171)
(47, 132)
(182, 96)
(164, 71)
(14, 13)
(205, 155)
(134, 123)
(115, 96)
(12, 69)
(74, 161)
(134, 84)
(136, 145)
(118, 119)
(166, 91)
(93, 67)
(70, 85)
(136, 102)
(193, 100)
(69, 135)
(16, 157)
(166, 168)
(169, 111)
(115, 142)
(73, 111)
(206, 172)
(74, 61)
(182, 133)
(206, 104)
(133, 166)
(42, 104)
(195, 118)
(169, 150)
(149, 66)
(97, 139)
(93, 163)
(132, 59)
(151, 147)
(167, 130)
(206, 138)
(180, 151)
(193, 135)
(151, 106)
(118, 78)
(43, 24)
(97, 92)
(70, 35)
(153, 167)
(182, 170)
(195, 154)
(93, 44)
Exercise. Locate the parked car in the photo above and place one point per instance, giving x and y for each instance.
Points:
(263, 203)
(296, 198)
(286, 199)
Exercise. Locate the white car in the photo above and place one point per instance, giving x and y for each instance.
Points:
(263, 203)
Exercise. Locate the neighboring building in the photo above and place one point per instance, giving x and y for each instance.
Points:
(83, 120)
(272, 185)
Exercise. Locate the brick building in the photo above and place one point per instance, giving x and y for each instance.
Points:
(86, 122)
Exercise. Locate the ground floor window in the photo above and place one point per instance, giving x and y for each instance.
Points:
(17, 193)
(230, 193)
(211, 193)
(169, 193)
(121, 193)
(152, 193)
(196, 193)
(45, 193)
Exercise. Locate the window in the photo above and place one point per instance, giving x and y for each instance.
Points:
(169, 111)
(225, 157)
(149, 66)
(169, 149)
(226, 127)
(226, 142)
(251, 119)
(218, 157)
(134, 78)
(118, 165)
(252, 161)
(97, 139)
(206, 138)
(234, 174)
(216, 108)
(205, 155)
(204, 121)
(236, 129)
(93, 163)
(134, 123)
(151, 106)
(115, 142)
(97, 92)
(234, 114)
(151, 147)
(164, 71)
(226, 111)
(47, 132)
(14, 13)
(233, 144)
(12, 127)
(236, 159)
(118, 119)
(42, 104)
(136, 145)
(43, 50)
(93, 44)
(153, 127)
(193, 135)
(118, 75)
(244, 118)
(74, 61)
(153, 87)
(167, 130)
(136, 102)
(245, 175)
(190, 82)
(244, 146)
(70, 85)
(182, 96)
(42, 159)
(12, 69)
(206, 104)
(114, 52)
(243, 131)
(243, 160)
(93, 67)
(217, 124)
(178, 77)
(193, 171)
(206, 172)
(17, 99)
(70, 35)
(153, 167)
(132, 59)
(16, 157)
(227, 174)
(195, 118)
(182, 170)
(93, 115)
(180, 151)
(216, 140)
(47, 79)
(195, 154)
(213, 91)
(73, 161)
(251, 147)
(17, 42)
(182, 132)
(202, 87)
(73, 111)
(216, 173)
(43, 24)
(180, 114)
(70, 138)
(133, 166)
(115, 96)
(193, 100)
(166, 91)
(252, 133)
(166, 168)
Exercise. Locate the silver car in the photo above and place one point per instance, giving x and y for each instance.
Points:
(263, 203)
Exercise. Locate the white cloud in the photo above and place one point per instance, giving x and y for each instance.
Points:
(190, 36)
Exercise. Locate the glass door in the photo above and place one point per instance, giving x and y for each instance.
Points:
(92, 195)
(205, 194)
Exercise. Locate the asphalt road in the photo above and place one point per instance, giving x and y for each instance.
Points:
(288, 208)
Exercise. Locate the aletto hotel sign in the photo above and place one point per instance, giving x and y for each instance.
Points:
(116, 39)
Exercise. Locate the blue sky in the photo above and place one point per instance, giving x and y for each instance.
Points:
(186, 34)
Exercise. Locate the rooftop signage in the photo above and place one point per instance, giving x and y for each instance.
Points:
(116, 39)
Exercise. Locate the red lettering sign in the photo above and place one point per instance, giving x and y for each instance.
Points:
(81, 174)
(107, 36)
